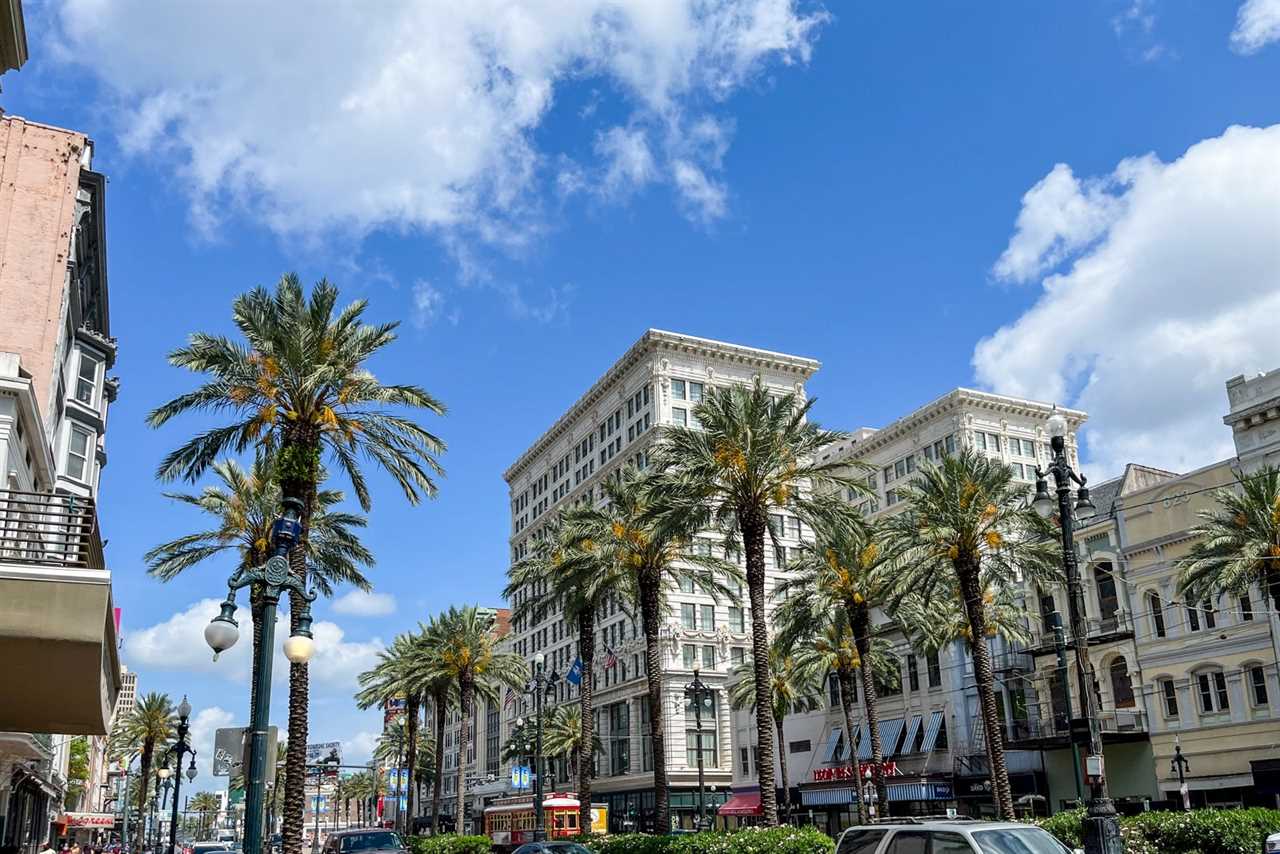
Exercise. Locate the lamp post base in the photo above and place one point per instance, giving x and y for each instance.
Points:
(1101, 828)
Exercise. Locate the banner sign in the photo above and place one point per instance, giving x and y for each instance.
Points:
(847, 772)
(329, 750)
(90, 819)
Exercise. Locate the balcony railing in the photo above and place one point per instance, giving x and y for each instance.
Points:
(49, 530)
(1113, 721)
(1098, 630)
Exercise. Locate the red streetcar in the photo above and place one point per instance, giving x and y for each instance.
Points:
(509, 822)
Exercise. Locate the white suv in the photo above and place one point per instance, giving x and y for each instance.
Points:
(958, 837)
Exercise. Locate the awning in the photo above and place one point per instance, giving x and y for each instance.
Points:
(741, 803)
(864, 741)
(828, 753)
(931, 732)
(826, 797)
(889, 732)
(912, 731)
(920, 792)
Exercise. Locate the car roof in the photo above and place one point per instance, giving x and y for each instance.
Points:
(953, 826)
(351, 830)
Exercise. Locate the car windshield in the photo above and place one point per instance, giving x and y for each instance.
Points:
(1023, 840)
(369, 841)
(568, 848)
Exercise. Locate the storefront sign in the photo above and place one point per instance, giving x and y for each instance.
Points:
(846, 772)
(90, 819)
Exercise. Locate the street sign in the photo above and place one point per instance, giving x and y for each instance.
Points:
(231, 751)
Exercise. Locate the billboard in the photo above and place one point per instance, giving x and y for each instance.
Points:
(326, 751)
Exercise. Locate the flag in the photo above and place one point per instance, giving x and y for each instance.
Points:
(610, 658)
(511, 698)
(574, 676)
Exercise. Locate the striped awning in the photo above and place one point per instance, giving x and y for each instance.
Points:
(931, 732)
(920, 792)
(912, 731)
(829, 752)
(889, 732)
(827, 797)
(864, 741)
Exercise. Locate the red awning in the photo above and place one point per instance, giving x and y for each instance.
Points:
(743, 803)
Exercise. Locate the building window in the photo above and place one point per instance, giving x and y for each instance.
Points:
(680, 416)
(1157, 613)
(780, 556)
(87, 379)
(744, 758)
(833, 691)
(804, 746)
(708, 658)
(78, 445)
(1246, 608)
(708, 617)
(913, 673)
(677, 390)
(1170, 696)
(685, 583)
(737, 656)
(619, 738)
(708, 735)
(690, 653)
(935, 670)
(737, 619)
(688, 615)
(1212, 687)
(1258, 685)
(1121, 686)
(1209, 616)
(1193, 618)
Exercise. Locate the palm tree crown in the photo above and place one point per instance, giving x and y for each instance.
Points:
(1239, 542)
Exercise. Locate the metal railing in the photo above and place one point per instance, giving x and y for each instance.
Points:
(49, 530)
(1049, 725)
(1118, 624)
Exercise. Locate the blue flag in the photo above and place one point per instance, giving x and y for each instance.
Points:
(574, 676)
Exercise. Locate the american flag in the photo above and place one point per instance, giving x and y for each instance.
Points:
(610, 658)
(511, 698)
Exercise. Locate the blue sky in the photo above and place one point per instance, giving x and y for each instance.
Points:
(1043, 199)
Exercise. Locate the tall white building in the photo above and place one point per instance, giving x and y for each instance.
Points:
(930, 726)
(657, 381)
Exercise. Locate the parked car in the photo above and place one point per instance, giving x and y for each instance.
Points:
(209, 847)
(365, 841)
(552, 848)
(1272, 844)
(949, 837)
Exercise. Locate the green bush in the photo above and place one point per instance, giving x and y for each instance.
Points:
(1197, 832)
(449, 843)
(774, 840)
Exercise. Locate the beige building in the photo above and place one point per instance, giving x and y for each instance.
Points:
(58, 667)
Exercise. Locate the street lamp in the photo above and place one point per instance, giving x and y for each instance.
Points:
(541, 684)
(698, 693)
(1181, 766)
(272, 579)
(162, 790)
(1101, 824)
(177, 750)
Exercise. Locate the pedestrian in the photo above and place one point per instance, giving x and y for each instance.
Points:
(48, 848)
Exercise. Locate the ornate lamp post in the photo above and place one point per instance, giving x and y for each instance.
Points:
(163, 786)
(1101, 824)
(698, 693)
(541, 684)
(177, 750)
(1181, 766)
(272, 578)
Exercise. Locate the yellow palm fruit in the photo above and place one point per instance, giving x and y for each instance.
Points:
(270, 367)
(994, 539)
(1275, 550)
(1241, 521)
(618, 529)
(781, 494)
(831, 559)
(857, 598)
(991, 631)
(869, 554)
(953, 552)
(588, 545)
(260, 544)
(240, 394)
(989, 511)
(636, 559)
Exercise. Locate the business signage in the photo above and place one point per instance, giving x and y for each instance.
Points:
(327, 751)
(90, 819)
(847, 772)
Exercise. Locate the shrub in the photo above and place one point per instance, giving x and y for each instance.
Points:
(449, 843)
(1197, 832)
(773, 840)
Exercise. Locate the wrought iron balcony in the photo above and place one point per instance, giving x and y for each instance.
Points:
(1043, 724)
(1119, 626)
(49, 530)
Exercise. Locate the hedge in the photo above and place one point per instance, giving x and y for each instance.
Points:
(449, 843)
(1197, 832)
(751, 840)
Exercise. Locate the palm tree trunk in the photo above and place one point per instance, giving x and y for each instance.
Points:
(465, 689)
(650, 614)
(971, 590)
(753, 536)
(586, 705)
(411, 731)
(299, 483)
(860, 621)
(782, 766)
(845, 678)
(440, 701)
(144, 769)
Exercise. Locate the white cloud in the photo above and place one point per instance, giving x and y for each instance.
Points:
(413, 115)
(1167, 284)
(203, 727)
(704, 198)
(178, 644)
(359, 748)
(628, 162)
(428, 303)
(1257, 25)
(357, 603)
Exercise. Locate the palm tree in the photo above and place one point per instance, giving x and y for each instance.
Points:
(563, 736)
(752, 454)
(1239, 542)
(654, 556)
(148, 728)
(244, 505)
(397, 676)
(205, 805)
(463, 645)
(845, 568)
(297, 388)
(967, 526)
(794, 690)
(565, 568)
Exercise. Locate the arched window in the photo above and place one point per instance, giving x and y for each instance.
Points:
(1108, 602)
(1121, 687)
(1156, 607)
